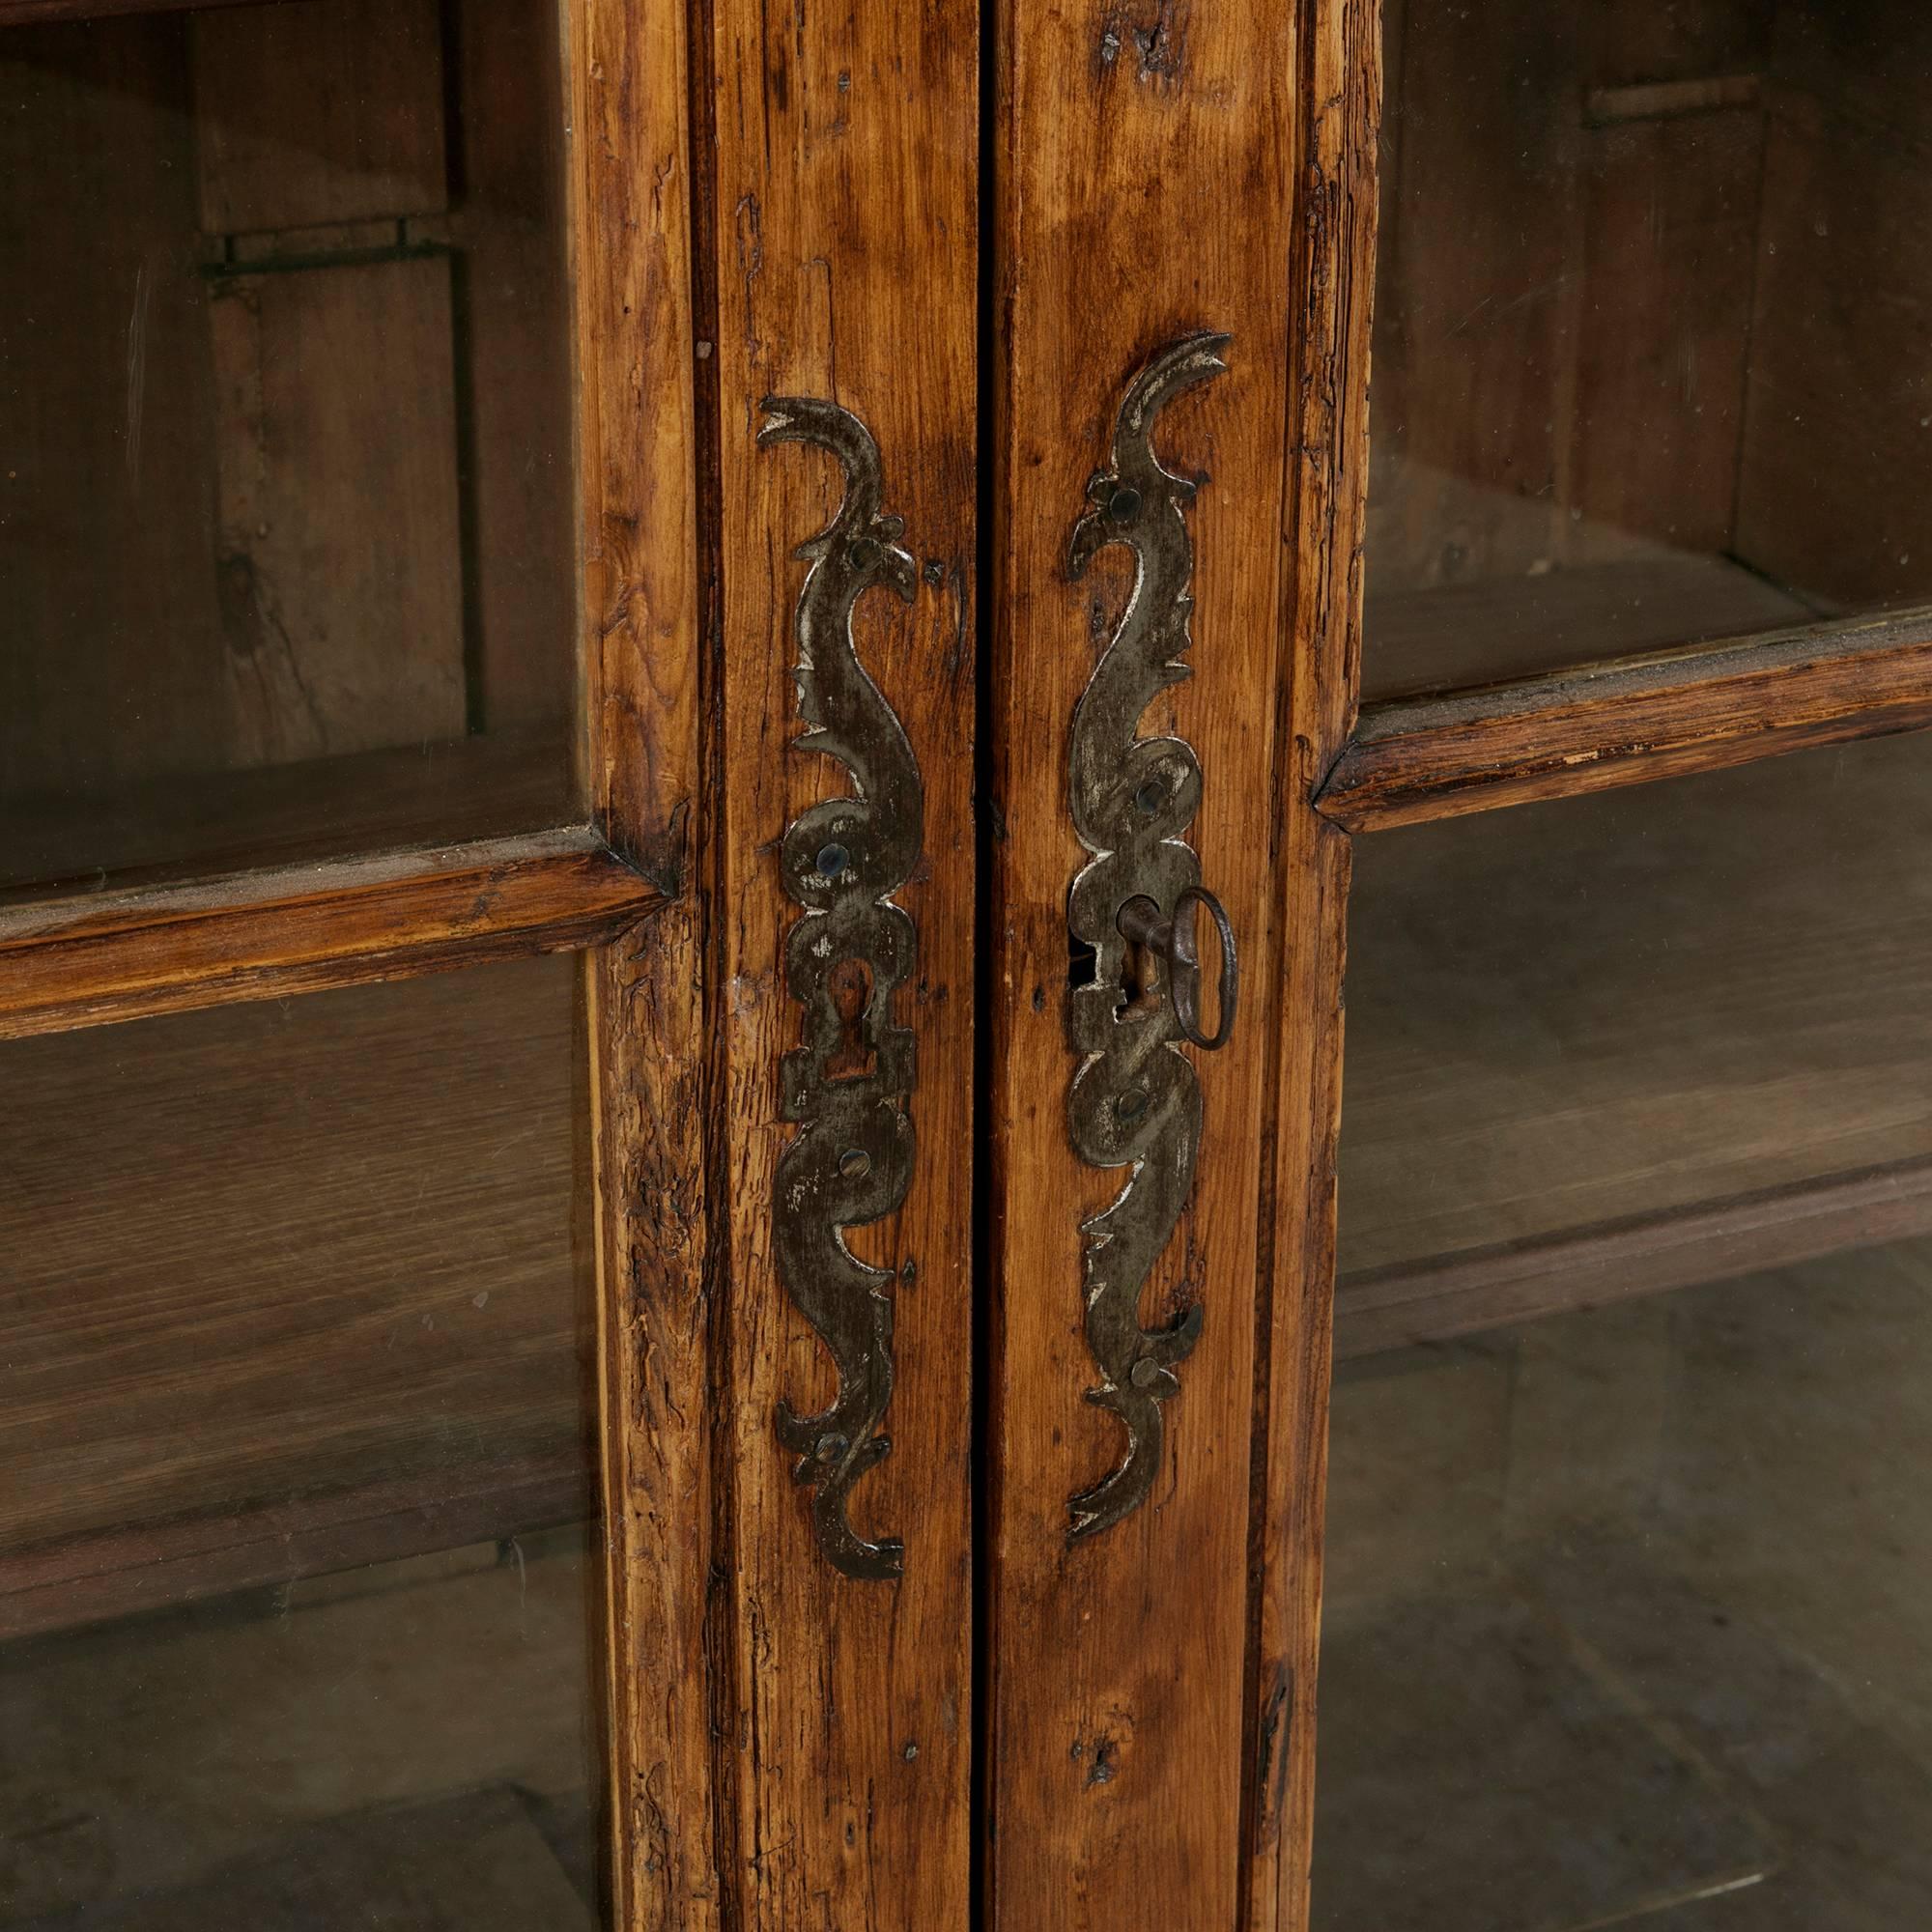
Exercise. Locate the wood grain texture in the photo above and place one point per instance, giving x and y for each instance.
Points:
(1631, 721)
(516, 401)
(1118, 1759)
(109, 395)
(845, 259)
(1565, 316)
(1333, 303)
(661, 1302)
(1505, 1283)
(789, 1747)
(353, 531)
(259, 935)
(1670, 214)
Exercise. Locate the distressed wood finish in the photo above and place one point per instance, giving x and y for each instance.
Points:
(1117, 1755)
(1633, 720)
(1333, 286)
(262, 935)
(660, 1300)
(789, 1744)
(845, 264)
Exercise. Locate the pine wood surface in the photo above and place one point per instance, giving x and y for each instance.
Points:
(1629, 721)
(842, 232)
(841, 1791)
(646, 661)
(265, 935)
(1333, 289)
(1146, 184)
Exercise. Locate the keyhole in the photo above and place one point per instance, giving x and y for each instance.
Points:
(850, 986)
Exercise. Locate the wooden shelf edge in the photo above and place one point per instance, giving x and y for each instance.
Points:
(119, 955)
(1631, 721)
(165, 1565)
(1463, 1293)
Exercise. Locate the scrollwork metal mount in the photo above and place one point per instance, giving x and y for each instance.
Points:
(849, 1085)
(1134, 1100)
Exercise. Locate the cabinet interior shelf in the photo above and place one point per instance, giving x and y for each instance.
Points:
(1617, 1043)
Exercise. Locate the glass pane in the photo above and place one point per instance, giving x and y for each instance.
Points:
(296, 1468)
(286, 529)
(1629, 1557)
(1650, 321)
(1638, 1003)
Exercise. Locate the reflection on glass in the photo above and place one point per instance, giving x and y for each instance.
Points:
(1637, 1004)
(295, 1478)
(1629, 1545)
(1651, 314)
(284, 508)
(1628, 1617)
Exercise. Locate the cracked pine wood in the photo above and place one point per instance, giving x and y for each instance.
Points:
(844, 261)
(629, 198)
(1118, 1754)
(783, 204)
(1333, 288)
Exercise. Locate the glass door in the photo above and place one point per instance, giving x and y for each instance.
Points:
(300, 1600)
(1626, 1557)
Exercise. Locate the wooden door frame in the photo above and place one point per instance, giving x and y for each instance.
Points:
(635, 889)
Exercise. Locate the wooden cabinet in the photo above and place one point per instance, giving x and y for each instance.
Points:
(687, 703)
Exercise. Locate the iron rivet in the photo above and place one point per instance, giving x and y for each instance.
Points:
(855, 1163)
(1151, 797)
(831, 1447)
(1132, 1104)
(1124, 504)
(864, 553)
(1145, 1373)
(831, 860)
(910, 1752)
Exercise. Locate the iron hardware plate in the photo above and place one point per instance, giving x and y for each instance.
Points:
(849, 1085)
(1134, 1100)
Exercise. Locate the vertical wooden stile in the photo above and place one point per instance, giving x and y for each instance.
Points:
(1333, 300)
(773, 204)
(845, 267)
(1144, 170)
(630, 199)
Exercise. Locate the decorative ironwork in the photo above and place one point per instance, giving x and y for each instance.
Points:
(848, 1085)
(1134, 1100)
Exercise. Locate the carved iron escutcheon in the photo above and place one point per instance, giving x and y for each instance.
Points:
(847, 1086)
(1134, 1100)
